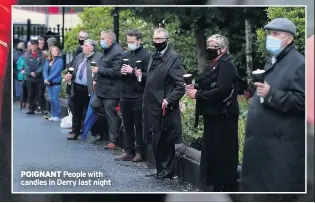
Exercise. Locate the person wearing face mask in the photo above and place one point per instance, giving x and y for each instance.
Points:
(108, 85)
(131, 97)
(274, 150)
(161, 113)
(216, 94)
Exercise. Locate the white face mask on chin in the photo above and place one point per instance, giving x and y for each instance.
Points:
(132, 47)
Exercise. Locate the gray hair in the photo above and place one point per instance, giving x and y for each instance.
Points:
(92, 43)
(222, 41)
(86, 34)
(52, 41)
(110, 33)
(21, 45)
(159, 30)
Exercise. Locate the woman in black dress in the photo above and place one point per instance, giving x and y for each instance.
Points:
(216, 94)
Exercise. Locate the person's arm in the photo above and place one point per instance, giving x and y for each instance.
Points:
(20, 64)
(59, 68)
(226, 79)
(176, 73)
(45, 71)
(116, 66)
(39, 70)
(292, 100)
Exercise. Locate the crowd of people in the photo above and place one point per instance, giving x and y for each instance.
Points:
(148, 89)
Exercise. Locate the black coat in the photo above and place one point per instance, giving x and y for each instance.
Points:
(108, 78)
(164, 81)
(274, 151)
(131, 88)
(214, 85)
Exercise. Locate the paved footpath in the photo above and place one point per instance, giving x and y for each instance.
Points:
(41, 145)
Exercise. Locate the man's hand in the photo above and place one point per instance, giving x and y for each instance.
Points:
(47, 82)
(164, 104)
(138, 72)
(191, 93)
(189, 87)
(68, 77)
(33, 74)
(95, 69)
(127, 69)
(262, 89)
(94, 85)
(23, 72)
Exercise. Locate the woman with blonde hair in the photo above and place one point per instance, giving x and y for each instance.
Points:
(216, 94)
(52, 79)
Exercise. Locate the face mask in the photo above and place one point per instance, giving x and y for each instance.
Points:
(212, 54)
(160, 46)
(273, 45)
(103, 44)
(81, 42)
(132, 47)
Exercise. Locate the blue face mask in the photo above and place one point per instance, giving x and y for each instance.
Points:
(273, 45)
(103, 44)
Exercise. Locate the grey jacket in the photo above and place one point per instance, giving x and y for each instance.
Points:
(76, 62)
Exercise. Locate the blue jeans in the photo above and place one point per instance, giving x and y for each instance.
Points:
(53, 93)
(18, 88)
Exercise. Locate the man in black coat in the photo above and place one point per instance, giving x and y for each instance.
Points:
(108, 84)
(274, 151)
(161, 114)
(133, 82)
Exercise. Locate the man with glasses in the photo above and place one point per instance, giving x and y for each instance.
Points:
(274, 151)
(161, 114)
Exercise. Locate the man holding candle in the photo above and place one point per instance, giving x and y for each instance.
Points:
(132, 95)
(81, 84)
(108, 86)
(274, 151)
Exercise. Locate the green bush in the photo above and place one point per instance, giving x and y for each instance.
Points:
(193, 136)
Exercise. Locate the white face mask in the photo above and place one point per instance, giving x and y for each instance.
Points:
(132, 47)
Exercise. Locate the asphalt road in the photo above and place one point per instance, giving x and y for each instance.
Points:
(41, 145)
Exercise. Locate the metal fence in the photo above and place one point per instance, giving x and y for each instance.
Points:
(29, 31)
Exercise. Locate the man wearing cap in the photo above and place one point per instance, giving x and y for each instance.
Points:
(274, 151)
(34, 63)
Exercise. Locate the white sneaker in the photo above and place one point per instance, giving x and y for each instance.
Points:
(51, 118)
(56, 119)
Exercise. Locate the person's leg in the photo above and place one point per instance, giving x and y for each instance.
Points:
(31, 96)
(137, 118)
(52, 106)
(78, 107)
(112, 119)
(17, 90)
(55, 94)
(41, 95)
(129, 135)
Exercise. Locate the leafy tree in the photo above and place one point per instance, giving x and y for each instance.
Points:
(296, 15)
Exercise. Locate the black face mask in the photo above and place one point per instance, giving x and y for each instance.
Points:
(81, 42)
(212, 54)
(160, 46)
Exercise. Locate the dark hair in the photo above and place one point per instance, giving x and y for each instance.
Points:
(134, 33)
(35, 42)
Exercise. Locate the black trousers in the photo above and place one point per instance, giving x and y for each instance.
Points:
(111, 115)
(131, 110)
(164, 153)
(80, 103)
(219, 152)
(32, 90)
(40, 97)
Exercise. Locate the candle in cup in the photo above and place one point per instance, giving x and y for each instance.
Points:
(125, 62)
(70, 71)
(188, 79)
(259, 76)
(138, 66)
(93, 64)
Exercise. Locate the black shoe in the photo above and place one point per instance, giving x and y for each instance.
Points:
(72, 136)
(150, 174)
(164, 175)
(30, 112)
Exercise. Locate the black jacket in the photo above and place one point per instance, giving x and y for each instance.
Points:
(108, 78)
(131, 88)
(274, 151)
(215, 84)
